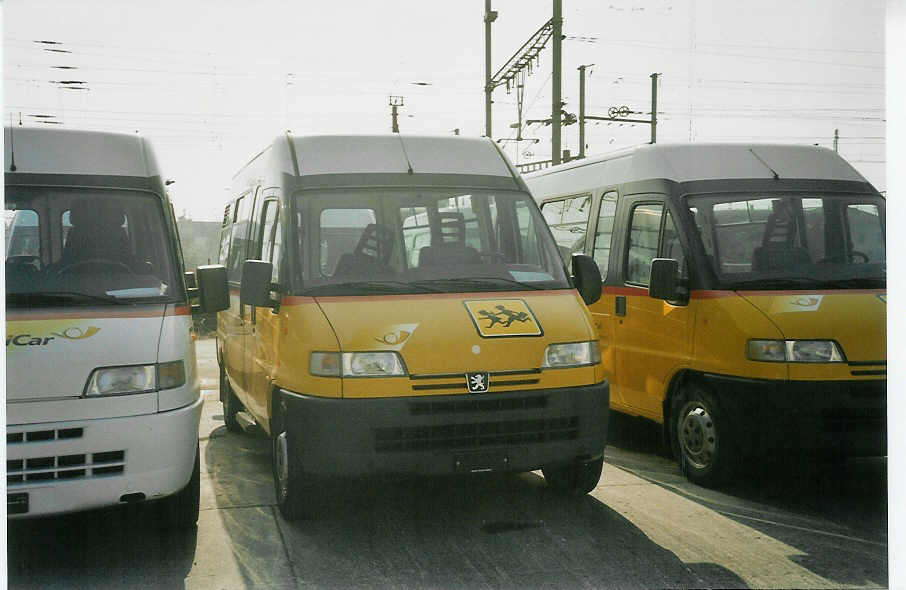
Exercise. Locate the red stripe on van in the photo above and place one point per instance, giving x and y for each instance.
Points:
(420, 296)
(92, 313)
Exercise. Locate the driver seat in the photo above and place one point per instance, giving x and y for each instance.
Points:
(96, 233)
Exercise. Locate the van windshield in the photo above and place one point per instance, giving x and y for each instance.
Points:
(789, 241)
(421, 241)
(86, 247)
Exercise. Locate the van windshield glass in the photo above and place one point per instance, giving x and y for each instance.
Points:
(86, 247)
(789, 241)
(388, 241)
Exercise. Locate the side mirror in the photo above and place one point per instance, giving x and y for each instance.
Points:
(213, 293)
(255, 288)
(662, 282)
(587, 277)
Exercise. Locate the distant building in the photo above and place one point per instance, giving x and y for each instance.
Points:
(200, 241)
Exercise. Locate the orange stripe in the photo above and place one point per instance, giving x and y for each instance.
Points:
(719, 293)
(817, 292)
(465, 294)
(93, 313)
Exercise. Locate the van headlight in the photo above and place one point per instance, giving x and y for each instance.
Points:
(794, 351)
(356, 364)
(135, 378)
(571, 354)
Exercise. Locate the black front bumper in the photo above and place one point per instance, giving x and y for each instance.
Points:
(837, 417)
(510, 431)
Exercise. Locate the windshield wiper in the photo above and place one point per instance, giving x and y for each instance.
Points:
(371, 286)
(778, 283)
(45, 297)
(471, 282)
(859, 283)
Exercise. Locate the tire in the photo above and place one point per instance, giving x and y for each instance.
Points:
(289, 481)
(701, 438)
(577, 479)
(231, 403)
(180, 511)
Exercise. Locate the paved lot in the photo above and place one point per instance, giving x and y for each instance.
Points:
(782, 525)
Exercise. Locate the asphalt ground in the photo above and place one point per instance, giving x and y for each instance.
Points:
(785, 523)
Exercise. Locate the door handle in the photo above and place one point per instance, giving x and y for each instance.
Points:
(620, 305)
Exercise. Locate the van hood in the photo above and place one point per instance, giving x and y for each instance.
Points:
(460, 332)
(51, 353)
(855, 319)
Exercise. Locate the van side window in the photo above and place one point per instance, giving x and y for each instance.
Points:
(568, 220)
(671, 246)
(644, 227)
(239, 238)
(270, 240)
(604, 232)
(225, 235)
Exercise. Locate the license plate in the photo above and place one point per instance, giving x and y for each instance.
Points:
(479, 462)
(17, 503)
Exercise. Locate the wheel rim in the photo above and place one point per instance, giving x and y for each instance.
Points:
(697, 436)
(281, 466)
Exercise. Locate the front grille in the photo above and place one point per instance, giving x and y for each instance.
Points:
(474, 435)
(872, 389)
(43, 435)
(75, 466)
(472, 405)
(457, 381)
(854, 420)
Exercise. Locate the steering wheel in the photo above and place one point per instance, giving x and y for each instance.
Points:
(493, 256)
(95, 263)
(857, 254)
(24, 260)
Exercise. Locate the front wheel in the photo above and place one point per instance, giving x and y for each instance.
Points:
(180, 511)
(577, 478)
(288, 476)
(702, 440)
(231, 403)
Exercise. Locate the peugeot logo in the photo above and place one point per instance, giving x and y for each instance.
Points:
(478, 382)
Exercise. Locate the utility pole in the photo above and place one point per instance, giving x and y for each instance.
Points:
(395, 101)
(489, 17)
(654, 107)
(836, 139)
(556, 97)
(582, 110)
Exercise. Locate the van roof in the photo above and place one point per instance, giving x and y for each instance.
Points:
(70, 151)
(446, 154)
(695, 161)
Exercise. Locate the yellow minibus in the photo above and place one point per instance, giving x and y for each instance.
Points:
(743, 295)
(398, 305)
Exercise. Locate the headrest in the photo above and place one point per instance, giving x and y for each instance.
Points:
(96, 215)
(450, 229)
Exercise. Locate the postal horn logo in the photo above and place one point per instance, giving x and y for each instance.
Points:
(503, 317)
(74, 333)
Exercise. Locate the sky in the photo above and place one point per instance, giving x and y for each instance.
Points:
(211, 83)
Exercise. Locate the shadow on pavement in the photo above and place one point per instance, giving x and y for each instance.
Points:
(834, 512)
(478, 531)
(111, 548)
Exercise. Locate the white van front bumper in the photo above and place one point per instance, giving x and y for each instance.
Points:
(59, 467)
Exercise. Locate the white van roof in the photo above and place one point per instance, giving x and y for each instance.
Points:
(690, 162)
(69, 151)
(447, 154)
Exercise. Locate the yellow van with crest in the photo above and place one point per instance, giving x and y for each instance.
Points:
(398, 305)
(743, 295)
